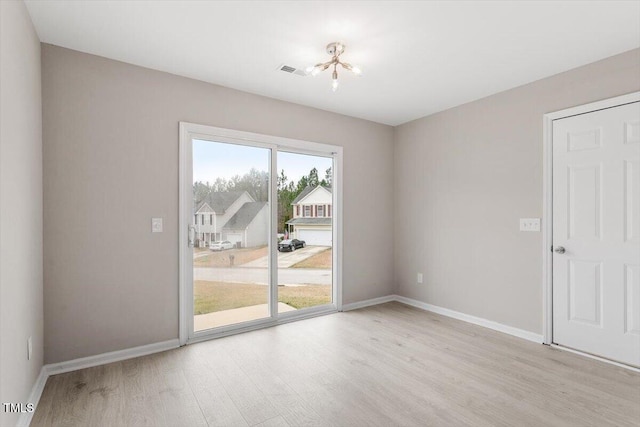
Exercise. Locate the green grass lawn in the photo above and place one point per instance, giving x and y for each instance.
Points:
(221, 258)
(218, 296)
(319, 260)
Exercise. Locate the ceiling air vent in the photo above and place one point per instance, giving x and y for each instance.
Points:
(291, 70)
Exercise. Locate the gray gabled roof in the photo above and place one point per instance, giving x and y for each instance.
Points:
(308, 189)
(310, 221)
(219, 201)
(241, 219)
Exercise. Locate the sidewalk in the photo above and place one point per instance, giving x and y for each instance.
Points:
(236, 315)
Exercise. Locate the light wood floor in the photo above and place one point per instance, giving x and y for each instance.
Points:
(383, 365)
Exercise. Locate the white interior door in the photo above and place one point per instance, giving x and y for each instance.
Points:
(596, 233)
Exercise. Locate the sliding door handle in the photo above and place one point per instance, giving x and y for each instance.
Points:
(191, 233)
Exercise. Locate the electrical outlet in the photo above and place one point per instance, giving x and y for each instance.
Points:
(529, 224)
(419, 279)
(29, 348)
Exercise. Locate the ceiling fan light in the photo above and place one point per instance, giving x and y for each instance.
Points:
(334, 84)
(356, 70)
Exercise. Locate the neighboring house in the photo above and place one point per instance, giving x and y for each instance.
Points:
(214, 211)
(312, 216)
(249, 226)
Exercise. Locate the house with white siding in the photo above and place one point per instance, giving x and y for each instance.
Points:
(249, 226)
(312, 216)
(214, 211)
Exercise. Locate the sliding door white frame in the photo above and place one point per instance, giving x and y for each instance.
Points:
(191, 131)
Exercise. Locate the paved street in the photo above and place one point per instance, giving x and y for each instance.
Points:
(286, 276)
(287, 259)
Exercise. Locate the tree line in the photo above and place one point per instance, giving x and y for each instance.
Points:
(256, 183)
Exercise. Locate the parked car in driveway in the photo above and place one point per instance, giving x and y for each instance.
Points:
(220, 246)
(291, 245)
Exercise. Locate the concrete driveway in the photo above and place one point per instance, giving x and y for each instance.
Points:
(287, 259)
(201, 254)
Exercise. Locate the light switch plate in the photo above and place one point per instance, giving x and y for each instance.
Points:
(156, 225)
(529, 224)
(419, 278)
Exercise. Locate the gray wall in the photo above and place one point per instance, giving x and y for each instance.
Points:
(20, 206)
(454, 185)
(110, 134)
(464, 177)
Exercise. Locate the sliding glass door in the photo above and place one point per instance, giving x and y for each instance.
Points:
(259, 235)
(230, 233)
(305, 230)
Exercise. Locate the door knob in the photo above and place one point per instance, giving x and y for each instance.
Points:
(559, 250)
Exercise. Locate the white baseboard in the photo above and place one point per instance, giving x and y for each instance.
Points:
(34, 397)
(88, 362)
(113, 356)
(516, 332)
(130, 353)
(368, 302)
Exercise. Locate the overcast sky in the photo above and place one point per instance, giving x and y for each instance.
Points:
(215, 159)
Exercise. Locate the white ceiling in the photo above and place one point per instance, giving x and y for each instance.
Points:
(417, 57)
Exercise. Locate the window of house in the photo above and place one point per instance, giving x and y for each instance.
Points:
(329, 210)
(307, 211)
(210, 219)
(320, 210)
(202, 219)
(297, 210)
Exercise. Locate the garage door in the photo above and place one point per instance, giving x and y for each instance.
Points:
(236, 239)
(315, 237)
